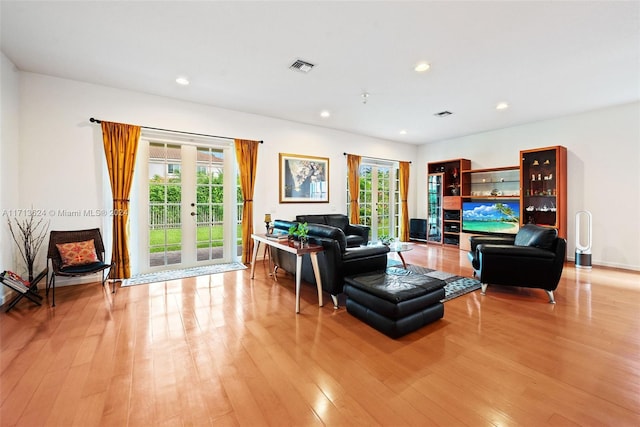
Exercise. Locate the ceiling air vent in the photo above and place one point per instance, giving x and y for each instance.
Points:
(443, 114)
(302, 66)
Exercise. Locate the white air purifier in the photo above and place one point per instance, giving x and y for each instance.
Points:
(583, 239)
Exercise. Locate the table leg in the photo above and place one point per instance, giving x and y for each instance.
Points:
(316, 273)
(298, 279)
(256, 245)
(267, 253)
(404, 264)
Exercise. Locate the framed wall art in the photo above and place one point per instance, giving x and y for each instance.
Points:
(304, 179)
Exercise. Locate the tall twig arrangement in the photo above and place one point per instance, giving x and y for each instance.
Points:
(29, 234)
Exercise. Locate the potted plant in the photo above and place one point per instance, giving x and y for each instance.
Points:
(386, 240)
(29, 234)
(300, 232)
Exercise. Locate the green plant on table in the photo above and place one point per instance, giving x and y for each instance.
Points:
(300, 230)
(385, 239)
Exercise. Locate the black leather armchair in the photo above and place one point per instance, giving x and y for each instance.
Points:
(356, 234)
(336, 262)
(533, 258)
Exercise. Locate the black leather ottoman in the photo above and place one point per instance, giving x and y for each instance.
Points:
(395, 302)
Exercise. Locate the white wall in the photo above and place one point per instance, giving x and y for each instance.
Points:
(603, 172)
(63, 163)
(9, 135)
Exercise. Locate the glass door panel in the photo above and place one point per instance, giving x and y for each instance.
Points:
(378, 200)
(165, 199)
(210, 203)
(434, 206)
(383, 203)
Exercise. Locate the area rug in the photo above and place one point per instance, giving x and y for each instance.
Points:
(455, 285)
(163, 276)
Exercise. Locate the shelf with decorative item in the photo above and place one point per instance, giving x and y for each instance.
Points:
(494, 182)
(492, 198)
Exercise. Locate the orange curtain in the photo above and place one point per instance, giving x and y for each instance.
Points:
(120, 147)
(247, 155)
(404, 191)
(353, 171)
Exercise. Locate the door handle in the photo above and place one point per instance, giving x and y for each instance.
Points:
(193, 214)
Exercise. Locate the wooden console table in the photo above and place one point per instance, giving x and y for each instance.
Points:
(310, 249)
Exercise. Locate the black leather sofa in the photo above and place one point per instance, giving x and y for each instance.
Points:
(356, 234)
(533, 258)
(336, 262)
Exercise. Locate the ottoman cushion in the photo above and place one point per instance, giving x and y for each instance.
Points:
(395, 285)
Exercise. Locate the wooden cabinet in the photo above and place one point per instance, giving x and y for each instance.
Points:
(543, 201)
(444, 200)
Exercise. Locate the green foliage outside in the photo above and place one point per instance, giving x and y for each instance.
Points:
(209, 207)
(173, 237)
(209, 192)
(365, 198)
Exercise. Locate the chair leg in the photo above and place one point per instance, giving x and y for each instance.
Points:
(335, 301)
(52, 285)
(552, 300)
(105, 277)
(483, 289)
(53, 289)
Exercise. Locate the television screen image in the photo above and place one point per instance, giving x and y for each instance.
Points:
(491, 217)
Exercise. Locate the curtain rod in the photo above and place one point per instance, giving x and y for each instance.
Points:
(92, 120)
(378, 158)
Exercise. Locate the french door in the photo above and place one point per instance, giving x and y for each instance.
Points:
(379, 198)
(190, 217)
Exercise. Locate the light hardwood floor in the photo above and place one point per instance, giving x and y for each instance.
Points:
(228, 350)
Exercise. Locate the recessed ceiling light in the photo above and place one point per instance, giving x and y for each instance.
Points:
(502, 106)
(183, 81)
(422, 67)
(403, 132)
(325, 114)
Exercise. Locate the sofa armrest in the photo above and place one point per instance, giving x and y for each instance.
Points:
(283, 225)
(512, 251)
(364, 251)
(360, 230)
(365, 259)
(494, 240)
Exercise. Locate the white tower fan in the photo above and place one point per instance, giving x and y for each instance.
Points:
(583, 239)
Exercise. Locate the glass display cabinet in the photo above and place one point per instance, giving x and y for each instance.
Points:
(543, 201)
(445, 203)
(434, 207)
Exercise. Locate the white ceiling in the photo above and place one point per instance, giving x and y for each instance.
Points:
(545, 58)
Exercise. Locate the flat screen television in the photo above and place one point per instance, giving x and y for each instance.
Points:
(491, 216)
